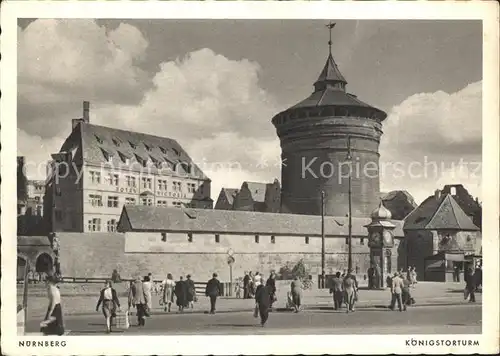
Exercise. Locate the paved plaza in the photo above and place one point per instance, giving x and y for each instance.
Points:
(440, 308)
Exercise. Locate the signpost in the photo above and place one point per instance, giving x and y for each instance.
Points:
(230, 261)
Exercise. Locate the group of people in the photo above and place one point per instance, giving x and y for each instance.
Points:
(344, 288)
(400, 284)
(184, 292)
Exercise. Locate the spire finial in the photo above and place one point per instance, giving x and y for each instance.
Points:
(330, 26)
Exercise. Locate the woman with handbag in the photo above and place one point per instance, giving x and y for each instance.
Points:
(53, 322)
(110, 302)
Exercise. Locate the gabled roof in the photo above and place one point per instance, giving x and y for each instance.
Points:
(150, 218)
(331, 72)
(257, 191)
(230, 193)
(97, 139)
(441, 213)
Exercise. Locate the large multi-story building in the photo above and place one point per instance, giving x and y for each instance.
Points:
(99, 169)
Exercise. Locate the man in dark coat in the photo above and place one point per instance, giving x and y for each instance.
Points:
(263, 295)
(180, 291)
(246, 286)
(470, 285)
(191, 292)
(138, 298)
(212, 291)
(371, 274)
(271, 283)
(337, 290)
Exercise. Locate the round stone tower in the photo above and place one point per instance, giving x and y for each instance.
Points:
(323, 138)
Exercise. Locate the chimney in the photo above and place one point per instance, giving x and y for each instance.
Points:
(437, 194)
(86, 110)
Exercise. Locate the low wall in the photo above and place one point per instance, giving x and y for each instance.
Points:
(98, 254)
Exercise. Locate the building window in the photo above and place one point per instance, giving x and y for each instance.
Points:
(112, 202)
(95, 177)
(59, 215)
(217, 238)
(256, 239)
(147, 183)
(273, 239)
(98, 139)
(95, 225)
(163, 150)
(130, 181)
(161, 203)
(129, 201)
(307, 240)
(190, 237)
(177, 204)
(133, 145)
(147, 201)
(362, 240)
(116, 141)
(148, 148)
(113, 179)
(177, 187)
(191, 187)
(164, 236)
(162, 184)
(95, 200)
(112, 225)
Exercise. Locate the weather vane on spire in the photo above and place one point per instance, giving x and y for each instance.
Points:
(330, 26)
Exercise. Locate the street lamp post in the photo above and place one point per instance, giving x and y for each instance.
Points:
(349, 241)
(322, 281)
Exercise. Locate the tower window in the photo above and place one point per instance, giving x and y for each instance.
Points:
(164, 236)
(307, 240)
(256, 239)
(217, 238)
(273, 239)
(190, 237)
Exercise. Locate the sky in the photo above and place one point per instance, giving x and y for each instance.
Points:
(214, 86)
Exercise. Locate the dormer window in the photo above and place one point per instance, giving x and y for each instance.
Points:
(177, 153)
(108, 156)
(99, 139)
(133, 145)
(148, 148)
(163, 150)
(116, 141)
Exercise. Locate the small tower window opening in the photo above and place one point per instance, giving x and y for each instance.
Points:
(307, 240)
(256, 239)
(116, 141)
(99, 139)
(273, 239)
(133, 145)
(190, 237)
(453, 191)
(217, 238)
(362, 240)
(164, 236)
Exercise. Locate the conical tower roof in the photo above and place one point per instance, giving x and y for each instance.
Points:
(330, 72)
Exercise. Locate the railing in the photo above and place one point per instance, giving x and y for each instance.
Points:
(199, 286)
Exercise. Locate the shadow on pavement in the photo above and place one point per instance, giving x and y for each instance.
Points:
(236, 325)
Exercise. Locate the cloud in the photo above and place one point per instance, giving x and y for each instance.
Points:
(435, 139)
(212, 105)
(62, 62)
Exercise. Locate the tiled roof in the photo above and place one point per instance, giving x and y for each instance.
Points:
(150, 218)
(230, 194)
(331, 72)
(257, 190)
(98, 141)
(332, 97)
(442, 213)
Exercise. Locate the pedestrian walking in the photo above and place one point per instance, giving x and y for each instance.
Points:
(148, 289)
(191, 291)
(263, 300)
(350, 291)
(110, 304)
(271, 283)
(213, 290)
(296, 290)
(396, 291)
(180, 291)
(405, 293)
(53, 321)
(470, 286)
(246, 286)
(413, 277)
(257, 281)
(138, 299)
(337, 291)
(168, 292)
